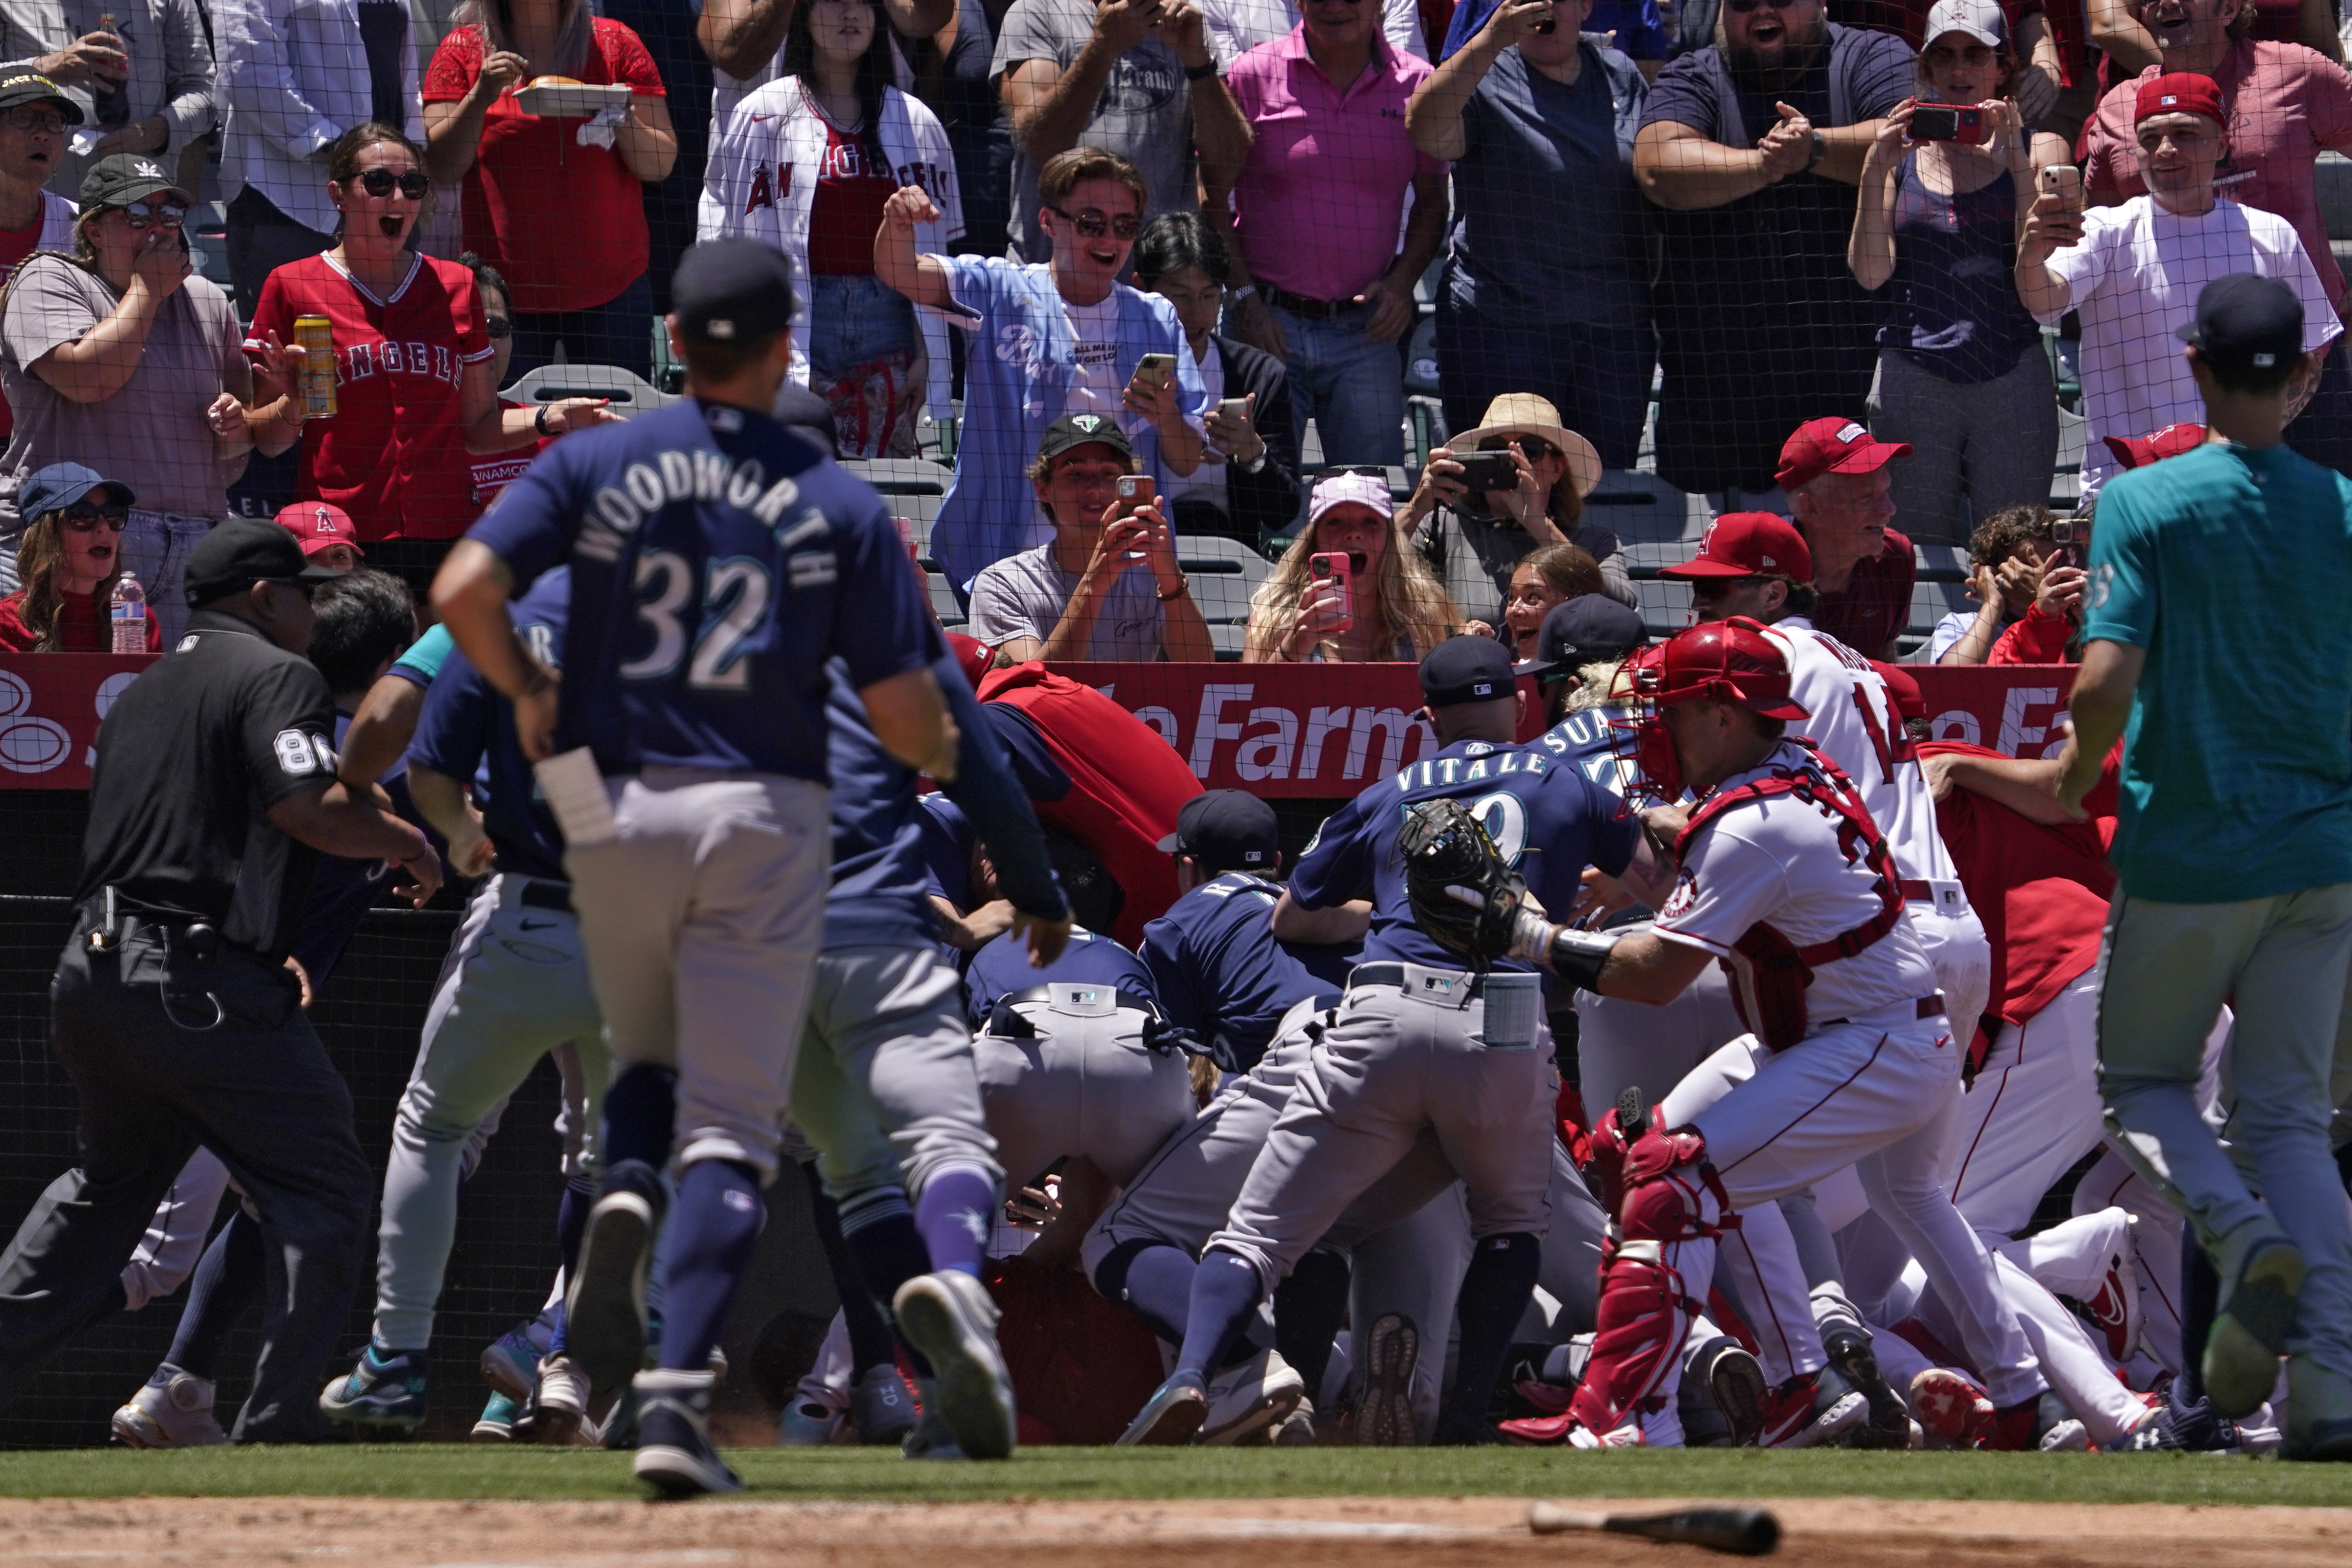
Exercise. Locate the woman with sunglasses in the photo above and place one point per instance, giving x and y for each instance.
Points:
(805, 164)
(1962, 374)
(70, 560)
(416, 387)
(118, 356)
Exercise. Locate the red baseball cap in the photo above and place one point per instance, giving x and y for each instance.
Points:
(1749, 544)
(974, 655)
(319, 524)
(2139, 451)
(1909, 701)
(2181, 92)
(1833, 446)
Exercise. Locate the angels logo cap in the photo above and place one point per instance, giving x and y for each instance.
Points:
(732, 291)
(1749, 544)
(2139, 451)
(1225, 830)
(2246, 322)
(1083, 430)
(1466, 669)
(2181, 92)
(318, 525)
(1833, 446)
(128, 177)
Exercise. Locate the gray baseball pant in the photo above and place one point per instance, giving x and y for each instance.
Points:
(1084, 1085)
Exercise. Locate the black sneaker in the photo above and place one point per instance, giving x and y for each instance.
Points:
(1889, 1425)
(606, 1323)
(674, 1452)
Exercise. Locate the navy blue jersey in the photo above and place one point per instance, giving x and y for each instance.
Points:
(1032, 760)
(948, 837)
(1002, 968)
(1550, 822)
(1220, 975)
(1586, 740)
(880, 882)
(465, 731)
(342, 890)
(718, 562)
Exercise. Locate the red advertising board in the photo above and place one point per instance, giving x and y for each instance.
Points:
(1306, 730)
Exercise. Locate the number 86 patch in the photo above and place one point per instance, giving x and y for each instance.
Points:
(302, 755)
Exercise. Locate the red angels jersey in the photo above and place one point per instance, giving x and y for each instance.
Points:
(393, 455)
(1852, 718)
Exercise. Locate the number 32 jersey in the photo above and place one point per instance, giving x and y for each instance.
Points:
(1546, 816)
(717, 561)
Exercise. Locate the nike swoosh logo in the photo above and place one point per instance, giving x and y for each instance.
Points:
(761, 118)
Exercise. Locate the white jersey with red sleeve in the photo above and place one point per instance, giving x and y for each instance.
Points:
(1781, 861)
(1852, 718)
(393, 455)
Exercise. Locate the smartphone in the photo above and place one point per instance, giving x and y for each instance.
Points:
(1233, 407)
(2062, 181)
(1155, 371)
(1136, 491)
(1947, 122)
(1332, 566)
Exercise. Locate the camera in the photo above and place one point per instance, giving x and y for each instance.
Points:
(1485, 471)
(1947, 122)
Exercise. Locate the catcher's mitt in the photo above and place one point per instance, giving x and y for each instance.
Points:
(1462, 894)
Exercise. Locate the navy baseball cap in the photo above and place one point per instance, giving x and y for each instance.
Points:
(2246, 322)
(61, 485)
(1465, 670)
(1225, 830)
(243, 551)
(1590, 629)
(732, 291)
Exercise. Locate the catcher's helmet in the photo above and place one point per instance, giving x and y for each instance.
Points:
(1722, 661)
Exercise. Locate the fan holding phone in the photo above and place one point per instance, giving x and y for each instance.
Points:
(1350, 589)
(1962, 374)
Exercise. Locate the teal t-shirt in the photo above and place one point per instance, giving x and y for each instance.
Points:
(425, 655)
(2231, 567)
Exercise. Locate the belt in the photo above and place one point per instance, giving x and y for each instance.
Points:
(1915, 892)
(538, 892)
(1395, 975)
(1926, 1006)
(1300, 305)
(1005, 1019)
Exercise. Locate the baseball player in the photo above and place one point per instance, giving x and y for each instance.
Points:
(1419, 1043)
(718, 562)
(1785, 880)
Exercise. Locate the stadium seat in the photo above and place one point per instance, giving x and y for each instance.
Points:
(549, 383)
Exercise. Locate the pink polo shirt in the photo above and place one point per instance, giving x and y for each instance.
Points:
(2287, 103)
(1321, 201)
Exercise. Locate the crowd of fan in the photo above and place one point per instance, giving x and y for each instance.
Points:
(1193, 230)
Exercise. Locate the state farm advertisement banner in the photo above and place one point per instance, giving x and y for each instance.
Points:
(1308, 730)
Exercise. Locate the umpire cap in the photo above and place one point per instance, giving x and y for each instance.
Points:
(243, 551)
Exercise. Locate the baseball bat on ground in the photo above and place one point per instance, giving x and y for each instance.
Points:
(1741, 1532)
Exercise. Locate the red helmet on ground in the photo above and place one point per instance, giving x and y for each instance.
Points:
(1729, 661)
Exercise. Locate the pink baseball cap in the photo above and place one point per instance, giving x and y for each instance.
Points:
(1345, 489)
(318, 524)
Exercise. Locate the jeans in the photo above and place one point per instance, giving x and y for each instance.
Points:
(261, 239)
(1976, 447)
(155, 547)
(618, 332)
(1597, 376)
(851, 320)
(1350, 386)
(2165, 970)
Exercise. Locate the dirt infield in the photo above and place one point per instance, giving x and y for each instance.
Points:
(1326, 1533)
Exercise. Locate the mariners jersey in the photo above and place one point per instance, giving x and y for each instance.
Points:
(718, 562)
(1852, 718)
(1001, 968)
(1220, 975)
(466, 731)
(1586, 741)
(1550, 822)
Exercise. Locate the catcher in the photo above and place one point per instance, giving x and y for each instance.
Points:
(1787, 883)
(1423, 1039)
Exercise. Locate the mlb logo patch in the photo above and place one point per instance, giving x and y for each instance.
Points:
(1482, 688)
(2170, 99)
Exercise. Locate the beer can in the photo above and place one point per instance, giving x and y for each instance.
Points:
(316, 336)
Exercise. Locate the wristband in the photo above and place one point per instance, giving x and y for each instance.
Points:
(1821, 150)
(539, 420)
(1576, 956)
(1201, 73)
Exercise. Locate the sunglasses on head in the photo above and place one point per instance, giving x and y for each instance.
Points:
(81, 519)
(383, 181)
(1094, 223)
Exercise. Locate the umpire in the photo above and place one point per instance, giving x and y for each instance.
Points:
(213, 792)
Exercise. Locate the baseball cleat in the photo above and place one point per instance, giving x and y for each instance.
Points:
(176, 1412)
(2318, 1412)
(511, 1361)
(1629, 1436)
(809, 1422)
(1173, 1415)
(1298, 1428)
(559, 1405)
(497, 1422)
(1390, 1351)
(2042, 1424)
(1735, 1379)
(384, 1391)
(604, 1314)
(2115, 1310)
(951, 1318)
(1245, 1400)
(882, 1407)
(1811, 1409)
(674, 1452)
(2242, 1354)
(1888, 1423)
(928, 1438)
(1953, 1409)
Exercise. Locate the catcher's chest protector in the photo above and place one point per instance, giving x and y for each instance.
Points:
(1768, 973)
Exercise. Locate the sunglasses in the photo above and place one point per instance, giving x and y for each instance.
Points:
(1534, 448)
(82, 520)
(1094, 223)
(383, 181)
(309, 591)
(143, 216)
(1714, 588)
(499, 327)
(1741, 8)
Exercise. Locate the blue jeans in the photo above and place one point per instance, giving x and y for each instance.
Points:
(155, 547)
(617, 332)
(852, 321)
(1597, 376)
(1350, 386)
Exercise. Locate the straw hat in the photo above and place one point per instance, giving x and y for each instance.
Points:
(1524, 413)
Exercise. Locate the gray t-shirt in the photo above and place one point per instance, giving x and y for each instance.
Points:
(1025, 595)
(151, 435)
(1144, 115)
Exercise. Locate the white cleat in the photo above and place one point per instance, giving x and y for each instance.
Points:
(1245, 1400)
(178, 1415)
(950, 1318)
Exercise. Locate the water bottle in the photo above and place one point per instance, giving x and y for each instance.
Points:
(130, 615)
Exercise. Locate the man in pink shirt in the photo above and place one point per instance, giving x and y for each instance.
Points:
(2287, 105)
(1320, 278)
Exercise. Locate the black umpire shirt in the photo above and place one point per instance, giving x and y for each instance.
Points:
(191, 757)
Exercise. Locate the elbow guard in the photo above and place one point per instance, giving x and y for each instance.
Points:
(1577, 956)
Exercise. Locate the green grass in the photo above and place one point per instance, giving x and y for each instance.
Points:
(457, 1471)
